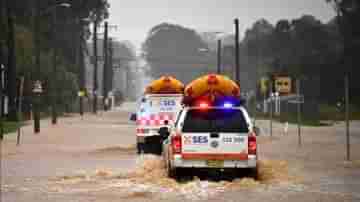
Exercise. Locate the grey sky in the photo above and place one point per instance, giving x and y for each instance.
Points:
(135, 18)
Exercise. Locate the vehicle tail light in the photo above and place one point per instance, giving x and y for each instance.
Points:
(252, 146)
(176, 144)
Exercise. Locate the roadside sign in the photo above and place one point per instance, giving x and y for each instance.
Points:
(298, 100)
(81, 93)
(295, 102)
(264, 82)
(37, 87)
(283, 84)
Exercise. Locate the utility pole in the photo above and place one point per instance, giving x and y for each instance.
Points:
(237, 65)
(21, 90)
(219, 48)
(106, 68)
(111, 66)
(82, 68)
(256, 79)
(2, 62)
(298, 110)
(55, 80)
(111, 71)
(345, 43)
(95, 61)
(347, 109)
(11, 67)
(271, 113)
(36, 111)
(1, 94)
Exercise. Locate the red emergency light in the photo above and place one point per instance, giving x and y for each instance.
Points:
(203, 105)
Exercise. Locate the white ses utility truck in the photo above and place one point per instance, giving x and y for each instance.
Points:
(212, 132)
(157, 108)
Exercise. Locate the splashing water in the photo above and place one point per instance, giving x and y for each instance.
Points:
(129, 149)
(272, 171)
(149, 177)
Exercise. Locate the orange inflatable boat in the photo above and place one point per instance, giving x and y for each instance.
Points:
(165, 84)
(212, 86)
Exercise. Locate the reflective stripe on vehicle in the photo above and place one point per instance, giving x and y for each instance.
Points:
(207, 156)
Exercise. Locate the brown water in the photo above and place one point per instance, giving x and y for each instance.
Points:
(115, 150)
(149, 177)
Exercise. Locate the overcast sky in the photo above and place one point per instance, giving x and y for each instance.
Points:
(135, 18)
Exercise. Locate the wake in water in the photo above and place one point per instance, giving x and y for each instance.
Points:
(115, 150)
(149, 177)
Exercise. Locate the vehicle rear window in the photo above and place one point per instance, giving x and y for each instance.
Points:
(215, 120)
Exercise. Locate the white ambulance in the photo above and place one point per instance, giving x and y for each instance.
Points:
(153, 111)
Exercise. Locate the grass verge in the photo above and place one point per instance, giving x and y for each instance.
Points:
(292, 119)
(10, 127)
(327, 114)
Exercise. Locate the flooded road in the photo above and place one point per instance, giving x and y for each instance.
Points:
(94, 159)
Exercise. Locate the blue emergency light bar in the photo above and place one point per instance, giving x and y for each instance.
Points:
(225, 102)
(228, 102)
(228, 105)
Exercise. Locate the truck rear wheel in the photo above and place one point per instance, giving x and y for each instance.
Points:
(253, 173)
(149, 148)
(140, 148)
(172, 172)
(153, 145)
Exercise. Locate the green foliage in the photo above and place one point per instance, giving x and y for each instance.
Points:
(303, 43)
(292, 118)
(10, 127)
(173, 49)
(303, 47)
(69, 88)
(331, 112)
(67, 35)
(347, 21)
(125, 50)
(24, 49)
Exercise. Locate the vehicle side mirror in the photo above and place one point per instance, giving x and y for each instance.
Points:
(164, 132)
(133, 117)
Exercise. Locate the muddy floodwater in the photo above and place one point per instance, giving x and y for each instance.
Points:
(94, 159)
(149, 179)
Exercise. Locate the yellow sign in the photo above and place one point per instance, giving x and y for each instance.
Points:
(81, 93)
(264, 82)
(283, 84)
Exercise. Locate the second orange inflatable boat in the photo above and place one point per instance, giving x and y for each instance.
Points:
(165, 84)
